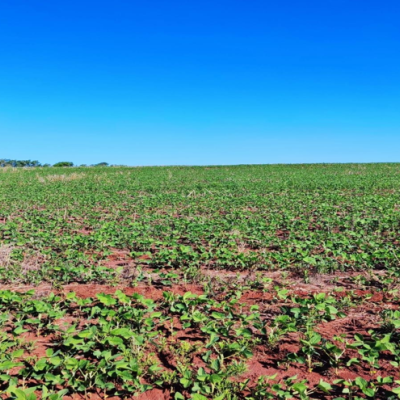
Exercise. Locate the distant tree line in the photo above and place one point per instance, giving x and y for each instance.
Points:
(19, 163)
(35, 163)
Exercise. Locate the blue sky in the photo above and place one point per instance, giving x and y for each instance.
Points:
(190, 82)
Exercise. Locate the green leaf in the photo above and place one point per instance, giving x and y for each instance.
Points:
(300, 387)
(56, 361)
(124, 332)
(106, 299)
(310, 260)
(369, 392)
(217, 315)
(216, 365)
(49, 352)
(324, 386)
(17, 353)
(197, 396)
(396, 390)
(213, 339)
(214, 378)
(361, 383)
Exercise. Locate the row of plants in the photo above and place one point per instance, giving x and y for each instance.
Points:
(194, 346)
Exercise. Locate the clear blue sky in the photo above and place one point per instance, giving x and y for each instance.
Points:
(200, 82)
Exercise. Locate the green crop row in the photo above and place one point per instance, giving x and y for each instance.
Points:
(195, 346)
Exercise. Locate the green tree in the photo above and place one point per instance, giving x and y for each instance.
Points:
(64, 164)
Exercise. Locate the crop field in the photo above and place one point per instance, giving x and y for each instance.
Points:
(240, 282)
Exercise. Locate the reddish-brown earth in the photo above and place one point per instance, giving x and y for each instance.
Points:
(266, 361)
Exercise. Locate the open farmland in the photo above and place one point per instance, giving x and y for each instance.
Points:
(242, 282)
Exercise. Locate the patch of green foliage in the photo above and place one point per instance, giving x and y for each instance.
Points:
(303, 218)
(170, 225)
(108, 345)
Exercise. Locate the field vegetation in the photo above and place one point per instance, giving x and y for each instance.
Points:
(240, 282)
